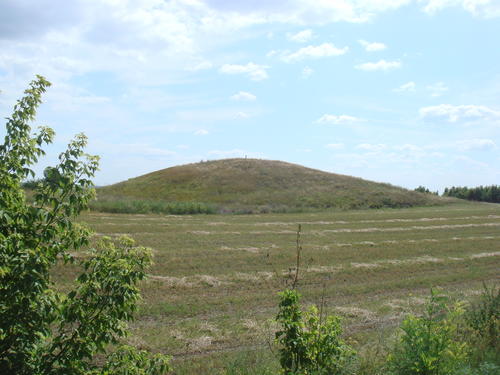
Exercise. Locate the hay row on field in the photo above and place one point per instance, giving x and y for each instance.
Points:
(352, 230)
(395, 220)
(165, 220)
(224, 280)
(253, 249)
(395, 242)
(405, 229)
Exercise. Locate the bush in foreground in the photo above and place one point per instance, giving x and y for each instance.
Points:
(428, 344)
(445, 340)
(309, 345)
(483, 320)
(43, 330)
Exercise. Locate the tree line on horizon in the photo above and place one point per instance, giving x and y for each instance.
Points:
(480, 193)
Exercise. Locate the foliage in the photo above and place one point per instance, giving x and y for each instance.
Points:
(309, 345)
(483, 317)
(32, 183)
(423, 189)
(248, 363)
(480, 193)
(129, 361)
(136, 206)
(485, 368)
(43, 330)
(427, 345)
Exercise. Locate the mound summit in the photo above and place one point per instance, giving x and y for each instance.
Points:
(254, 185)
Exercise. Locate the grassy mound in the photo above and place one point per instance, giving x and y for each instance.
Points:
(252, 185)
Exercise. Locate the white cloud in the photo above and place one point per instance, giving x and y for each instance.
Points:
(302, 36)
(406, 87)
(272, 53)
(154, 151)
(476, 144)
(241, 115)
(337, 119)
(244, 96)
(437, 89)
(372, 147)
(157, 99)
(322, 50)
(408, 148)
(461, 159)
(203, 65)
(140, 42)
(307, 72)
(209, 115)
(136, 149)
(201, 132)
(256, 72)
(335, 146)
(148, 42)
(371, 155)
(479, 8)
(456, 113)
(67, 98)
(122, 36)
(373, 46)
(379, 65)
(301, 12)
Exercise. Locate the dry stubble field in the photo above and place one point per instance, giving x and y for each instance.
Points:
(212, 292)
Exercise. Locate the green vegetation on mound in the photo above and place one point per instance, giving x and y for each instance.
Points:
(142, 206)
(252, 185)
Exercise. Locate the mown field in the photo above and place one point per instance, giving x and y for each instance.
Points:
(212, 292)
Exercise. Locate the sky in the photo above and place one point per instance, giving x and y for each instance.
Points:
(399, 91)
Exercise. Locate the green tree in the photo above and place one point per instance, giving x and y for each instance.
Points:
(43, 330)
(422, 189)
(479, 193)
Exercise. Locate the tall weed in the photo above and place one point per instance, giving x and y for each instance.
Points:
(483, 320)
(483, 316)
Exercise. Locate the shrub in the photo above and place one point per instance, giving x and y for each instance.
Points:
(483, 318)
(427, 345)
(31, 184)
(136, 206)
(43, 330)
(485, 368)
(309, 345)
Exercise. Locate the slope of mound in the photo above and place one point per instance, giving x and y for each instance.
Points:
(261, 185)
